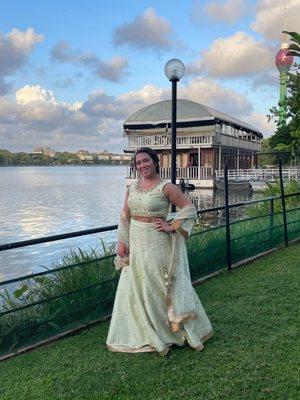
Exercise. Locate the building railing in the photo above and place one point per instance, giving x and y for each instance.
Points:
(192, 173)
(260, 174)
(234, 142)
(163, 141)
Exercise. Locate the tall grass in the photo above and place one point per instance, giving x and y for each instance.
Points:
(76, 290)
(274, 190)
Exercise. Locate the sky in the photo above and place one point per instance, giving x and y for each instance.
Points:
(71, 72)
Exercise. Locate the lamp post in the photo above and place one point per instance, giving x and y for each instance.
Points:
(174, 70)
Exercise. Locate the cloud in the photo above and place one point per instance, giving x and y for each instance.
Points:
(269, 78)
(64, 82)
(28, 94)
(146, 31)
(236, 56)
(260, 122)
(63, 52)
(112, 70)
(137, 99)
(37, 118)
(216, 11)
(228, 11)
(208, 92)
(5, 87)
(15, 48)
(100, 105)
(269, 18)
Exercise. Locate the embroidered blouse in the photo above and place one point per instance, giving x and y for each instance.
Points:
(150, 202)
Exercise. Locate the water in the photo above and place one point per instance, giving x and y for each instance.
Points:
(43, 201)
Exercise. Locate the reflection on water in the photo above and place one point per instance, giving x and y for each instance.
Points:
(43, 201)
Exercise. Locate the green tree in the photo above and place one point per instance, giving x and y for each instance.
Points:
(295, 46)
(7, 156)
(2, 159)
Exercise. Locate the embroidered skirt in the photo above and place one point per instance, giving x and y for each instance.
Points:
(139, 320)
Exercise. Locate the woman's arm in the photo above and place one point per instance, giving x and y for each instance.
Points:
(177, 198)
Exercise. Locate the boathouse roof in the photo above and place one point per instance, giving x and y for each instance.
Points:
(189, 113)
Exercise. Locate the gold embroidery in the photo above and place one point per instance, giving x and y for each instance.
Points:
(143, 349)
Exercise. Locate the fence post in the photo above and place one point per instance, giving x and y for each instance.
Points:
(271, 213)
(227, 221)
(286, 240)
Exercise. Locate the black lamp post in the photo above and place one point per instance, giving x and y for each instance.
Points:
(174, 70)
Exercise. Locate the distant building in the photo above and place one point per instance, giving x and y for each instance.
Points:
(114, 157)
(38, 150)
(85, 157)
(46, 151)
(103, 157)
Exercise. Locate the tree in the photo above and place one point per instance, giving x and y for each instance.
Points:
(294, 47)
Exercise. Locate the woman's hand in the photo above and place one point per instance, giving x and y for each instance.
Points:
(162, 225)
(122, 249)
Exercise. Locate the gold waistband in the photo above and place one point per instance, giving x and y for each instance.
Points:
(142, 218)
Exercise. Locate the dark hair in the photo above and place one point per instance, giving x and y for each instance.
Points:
(152, 153)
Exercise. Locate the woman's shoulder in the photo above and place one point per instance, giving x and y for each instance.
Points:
(132, 185)
(169, 187)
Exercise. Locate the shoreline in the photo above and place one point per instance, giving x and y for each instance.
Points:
(66, 165)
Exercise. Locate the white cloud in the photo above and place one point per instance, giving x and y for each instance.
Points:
(235, 56)
(228, 11)
(15, 48)
(33, 93)
(147, 30)
(269, 18)
(208, 92)
(137, 99)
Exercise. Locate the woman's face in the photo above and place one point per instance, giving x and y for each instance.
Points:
(145, 165)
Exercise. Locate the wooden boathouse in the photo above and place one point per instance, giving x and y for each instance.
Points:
(204, 136)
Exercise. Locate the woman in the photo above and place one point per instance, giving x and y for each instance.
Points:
(155, 305)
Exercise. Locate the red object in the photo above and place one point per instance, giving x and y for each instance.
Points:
(283, 61)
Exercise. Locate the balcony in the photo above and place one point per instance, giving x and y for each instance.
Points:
(187, 173)
(163, 141)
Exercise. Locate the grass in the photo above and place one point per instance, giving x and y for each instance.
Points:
(253, 354)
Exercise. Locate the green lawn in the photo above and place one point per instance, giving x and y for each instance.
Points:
(253, 355)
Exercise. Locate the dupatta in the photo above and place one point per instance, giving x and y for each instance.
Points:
(180, 293)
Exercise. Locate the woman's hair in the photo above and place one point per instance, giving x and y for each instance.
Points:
(152, 153)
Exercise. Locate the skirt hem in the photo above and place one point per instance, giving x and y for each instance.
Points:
(148, 348)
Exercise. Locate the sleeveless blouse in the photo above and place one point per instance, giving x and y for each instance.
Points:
(150, 202)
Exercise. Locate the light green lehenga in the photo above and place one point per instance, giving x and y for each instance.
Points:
(155, 289)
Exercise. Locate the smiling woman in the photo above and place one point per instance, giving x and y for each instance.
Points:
(155, 305)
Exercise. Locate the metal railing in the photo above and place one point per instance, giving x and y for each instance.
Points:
(260, 174)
